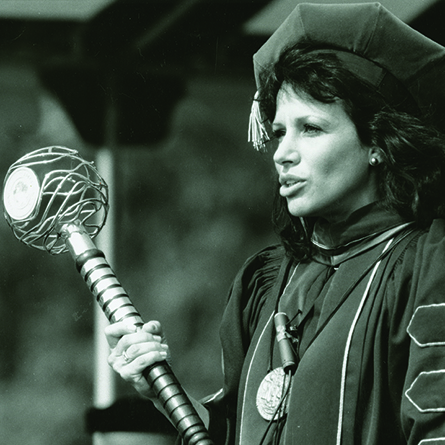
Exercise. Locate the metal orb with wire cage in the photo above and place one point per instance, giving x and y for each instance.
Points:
(48, 188)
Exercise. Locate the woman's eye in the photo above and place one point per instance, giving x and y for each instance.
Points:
(278, 134)
(309, 128)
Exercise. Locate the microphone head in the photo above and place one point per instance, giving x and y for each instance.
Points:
(51, 187)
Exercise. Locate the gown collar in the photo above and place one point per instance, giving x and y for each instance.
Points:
(362, 230)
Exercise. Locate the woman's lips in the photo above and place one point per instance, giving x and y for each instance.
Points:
(290, 185)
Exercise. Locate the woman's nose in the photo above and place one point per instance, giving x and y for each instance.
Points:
(287, 152)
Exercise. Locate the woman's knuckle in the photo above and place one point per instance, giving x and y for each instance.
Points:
(133, 350)
(141, 361)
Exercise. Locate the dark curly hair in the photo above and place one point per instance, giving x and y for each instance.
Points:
(411, 174)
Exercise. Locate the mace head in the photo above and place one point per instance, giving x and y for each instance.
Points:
(49, 188)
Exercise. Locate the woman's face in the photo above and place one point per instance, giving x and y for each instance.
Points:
(323, 167)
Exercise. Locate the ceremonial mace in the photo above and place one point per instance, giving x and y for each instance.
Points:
(56, 201)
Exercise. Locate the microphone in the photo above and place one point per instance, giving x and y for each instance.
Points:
(56, 201)
(288, 359)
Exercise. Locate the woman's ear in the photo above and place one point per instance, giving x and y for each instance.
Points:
(375, 156)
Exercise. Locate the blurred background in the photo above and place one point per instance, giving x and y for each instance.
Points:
(157, 93)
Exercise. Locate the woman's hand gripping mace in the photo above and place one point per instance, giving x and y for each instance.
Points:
(116, 305)
(56, 201)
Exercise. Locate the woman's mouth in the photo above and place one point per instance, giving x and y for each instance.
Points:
(290, 186)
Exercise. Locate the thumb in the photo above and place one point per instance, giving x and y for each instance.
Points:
(153, 327)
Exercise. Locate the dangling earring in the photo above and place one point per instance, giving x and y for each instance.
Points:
(374, 161)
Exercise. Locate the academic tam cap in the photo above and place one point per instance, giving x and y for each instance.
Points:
(373, 43)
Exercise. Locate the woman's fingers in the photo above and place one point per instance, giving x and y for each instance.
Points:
(133, 361)
(145, 353)
(132, 372)
(115, 331)
(133, 339)
(134, 349)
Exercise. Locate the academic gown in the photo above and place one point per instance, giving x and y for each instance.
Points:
(369, 315)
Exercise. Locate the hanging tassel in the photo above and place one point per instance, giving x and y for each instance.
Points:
(257, 129)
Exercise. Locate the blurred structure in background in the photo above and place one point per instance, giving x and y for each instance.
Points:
(158, 93)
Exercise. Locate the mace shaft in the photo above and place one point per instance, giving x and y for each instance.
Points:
(117, 306)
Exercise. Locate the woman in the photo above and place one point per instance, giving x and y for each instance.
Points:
(357, 353)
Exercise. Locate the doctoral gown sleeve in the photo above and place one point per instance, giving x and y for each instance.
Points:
(416, 296)
(252, 287)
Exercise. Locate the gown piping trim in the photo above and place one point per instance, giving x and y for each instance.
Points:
(248, 374)
(348, 345)
(214, 396)
(410, 329)
(433, 440)
(417, 406)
